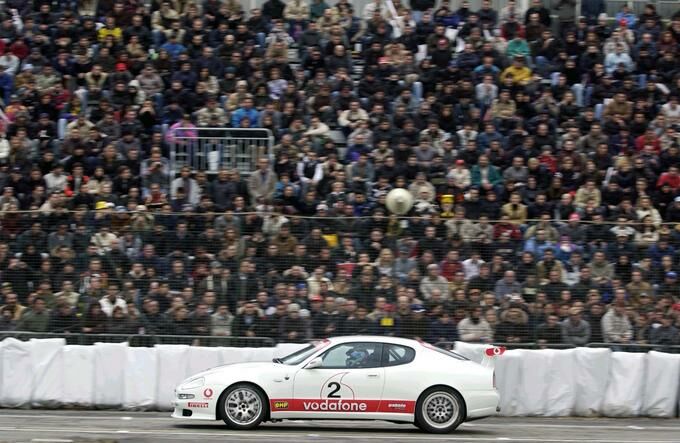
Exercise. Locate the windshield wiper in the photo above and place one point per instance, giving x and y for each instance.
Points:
(277, 360)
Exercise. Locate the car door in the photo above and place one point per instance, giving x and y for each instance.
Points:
(347, 383)
(401, 389)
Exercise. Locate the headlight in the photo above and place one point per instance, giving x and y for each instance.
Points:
(193, 384)
(185, 396)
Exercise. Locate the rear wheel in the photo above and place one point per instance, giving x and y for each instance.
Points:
(439, 410)
(243, 406)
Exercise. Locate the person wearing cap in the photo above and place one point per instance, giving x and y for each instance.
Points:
(616, 327)
(669, 285)
(460, 175)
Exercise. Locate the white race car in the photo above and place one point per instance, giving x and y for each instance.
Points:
(369, 378)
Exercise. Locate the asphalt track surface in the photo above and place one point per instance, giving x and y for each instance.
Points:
(128, 427)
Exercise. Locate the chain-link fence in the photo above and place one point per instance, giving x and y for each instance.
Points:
(160, 275)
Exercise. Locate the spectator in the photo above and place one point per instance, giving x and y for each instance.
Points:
(222, 321)
(575, 330)
(95, 321)
(111, 300)
(474, 328)
(507, 286)
(513, 327)
(63, 319)
(665, 334)
(550, 332)
(7, 322)
(248, 322)
(570, 183)
(35, 319)
(616, 327)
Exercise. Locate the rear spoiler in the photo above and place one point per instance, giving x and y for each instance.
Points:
(490, 354)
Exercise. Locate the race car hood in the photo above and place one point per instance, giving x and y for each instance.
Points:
(238, 367)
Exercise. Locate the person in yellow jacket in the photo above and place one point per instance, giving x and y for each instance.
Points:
(110, 29)
(518, 71)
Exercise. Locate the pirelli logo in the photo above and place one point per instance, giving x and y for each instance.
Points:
(280, 405)
(197, 405)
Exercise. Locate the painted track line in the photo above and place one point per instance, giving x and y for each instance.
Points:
(260, 435)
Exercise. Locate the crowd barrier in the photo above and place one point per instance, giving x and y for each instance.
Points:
(584, 382)
(572, 382)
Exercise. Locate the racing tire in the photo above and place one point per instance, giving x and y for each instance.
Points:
(243, 406)
(439, 410)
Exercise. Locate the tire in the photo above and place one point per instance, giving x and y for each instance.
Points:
(243, 406)
(439, 410)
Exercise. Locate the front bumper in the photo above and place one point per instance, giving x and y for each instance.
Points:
(200, 407)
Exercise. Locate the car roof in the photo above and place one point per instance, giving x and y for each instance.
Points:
(373, 339)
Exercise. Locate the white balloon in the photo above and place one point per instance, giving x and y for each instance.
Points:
(399, 201)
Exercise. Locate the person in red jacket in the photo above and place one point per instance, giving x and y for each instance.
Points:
(648, 138)
(670, 178)
(75, 180)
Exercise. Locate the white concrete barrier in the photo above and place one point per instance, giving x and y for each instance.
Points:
(582, 381)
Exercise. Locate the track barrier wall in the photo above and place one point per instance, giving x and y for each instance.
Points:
(586, 382)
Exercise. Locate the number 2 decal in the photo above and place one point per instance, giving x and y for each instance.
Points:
(335, 387)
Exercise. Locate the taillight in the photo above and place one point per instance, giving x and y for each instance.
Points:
(494, 379)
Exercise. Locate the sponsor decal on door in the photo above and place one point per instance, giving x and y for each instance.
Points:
(341, 405)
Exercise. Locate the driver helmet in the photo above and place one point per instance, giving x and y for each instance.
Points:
(356, 357)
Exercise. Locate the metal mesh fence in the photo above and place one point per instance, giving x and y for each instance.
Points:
(211, 278)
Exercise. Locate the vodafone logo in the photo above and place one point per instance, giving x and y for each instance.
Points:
(495, 351)
(208, 393)
(334, 406)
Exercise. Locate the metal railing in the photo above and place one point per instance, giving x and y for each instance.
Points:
(622, 347)
(210, 149)
(137, 340)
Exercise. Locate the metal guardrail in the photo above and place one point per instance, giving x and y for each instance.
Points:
(637, 347)
(622, 347)
(210, 149)
(137, 340)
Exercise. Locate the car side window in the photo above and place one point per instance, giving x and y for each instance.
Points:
(358, 355)
(394, 355)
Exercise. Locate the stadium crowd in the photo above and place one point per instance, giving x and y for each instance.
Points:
(541, 148)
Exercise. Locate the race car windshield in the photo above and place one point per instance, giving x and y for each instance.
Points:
(298, 357)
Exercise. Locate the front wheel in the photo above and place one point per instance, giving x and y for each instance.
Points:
(439, 410)
(243, 406)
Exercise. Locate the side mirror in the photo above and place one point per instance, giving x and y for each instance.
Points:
(315, 363)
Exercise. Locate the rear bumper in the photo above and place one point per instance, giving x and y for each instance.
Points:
(483, 404)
